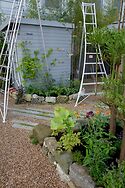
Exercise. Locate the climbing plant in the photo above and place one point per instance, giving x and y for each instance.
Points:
(29, 65)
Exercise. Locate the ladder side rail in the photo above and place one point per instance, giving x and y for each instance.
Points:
(42, 35)
(99, 48)
(81, 49)
(123, 15)
(9, 64)
(84, 25)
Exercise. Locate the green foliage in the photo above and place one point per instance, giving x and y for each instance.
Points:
(112, 43)
(50, 89)
(32, 9)
(115, 178)
(99, 147)
(29, 66)
(69, 140)
(78, 157)
(112, 91)
(34, 141)
(63, 122)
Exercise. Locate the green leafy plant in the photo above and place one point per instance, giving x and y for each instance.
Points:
(99, 148)
(34, 141)
(115, 177)
(78, 157)
(63, 122)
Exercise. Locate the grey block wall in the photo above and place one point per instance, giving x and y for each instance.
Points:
(56, 36)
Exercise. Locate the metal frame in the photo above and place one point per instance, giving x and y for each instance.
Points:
(97, 52)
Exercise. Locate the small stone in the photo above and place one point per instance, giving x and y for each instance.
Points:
(50, 99)
(73, 96)
(62, 99)
(41, 99)
(35, 96)
(51, 144)
(35, 100)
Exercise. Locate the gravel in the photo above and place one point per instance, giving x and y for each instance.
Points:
(22, 165)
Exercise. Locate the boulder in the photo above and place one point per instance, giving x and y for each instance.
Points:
(79, 176)
(64, 159)
(62, 99)
(40, 132)
(50, 99)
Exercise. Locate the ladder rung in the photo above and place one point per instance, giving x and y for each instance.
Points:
(3, 78)
(93, 73)
(3, 66)
(92, 83)
(91, 23)
(88, 13)
(5, 54)
(94, 63)
(90, 53)
(88, 4)
(93, 93)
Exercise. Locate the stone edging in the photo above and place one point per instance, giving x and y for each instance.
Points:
(76, 176)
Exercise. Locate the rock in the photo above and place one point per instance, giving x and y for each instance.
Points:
(41, 99)
(62, 99)
(64, 159)
(51, 144)
(27, 97)
(35, 96)
(50, 99)
(63, 176)
(40, 132)
(79, 176)
(73, 96)
(35, 100)
(71, 185)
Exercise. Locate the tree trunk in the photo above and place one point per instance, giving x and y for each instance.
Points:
(122, 153)
(113, 119)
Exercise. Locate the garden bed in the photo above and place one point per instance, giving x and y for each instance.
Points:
(82, 147)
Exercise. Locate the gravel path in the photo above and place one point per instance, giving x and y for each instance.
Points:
(22, 165)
